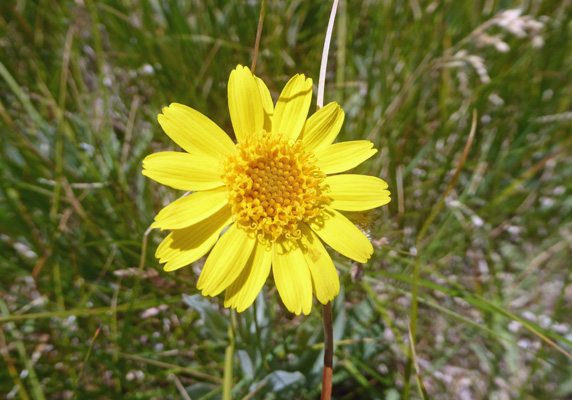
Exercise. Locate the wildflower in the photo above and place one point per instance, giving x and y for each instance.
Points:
(275, 190)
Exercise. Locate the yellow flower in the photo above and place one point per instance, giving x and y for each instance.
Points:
(274, 190)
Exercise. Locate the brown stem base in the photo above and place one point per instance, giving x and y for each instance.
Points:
(328, 352)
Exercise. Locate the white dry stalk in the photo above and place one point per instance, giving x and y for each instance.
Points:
(565, 116)
(325, 52)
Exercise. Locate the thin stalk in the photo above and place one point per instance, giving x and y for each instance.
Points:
(420, 384)
(12, 371)
(325, 52)
(258, 34)
(89, 311)
(229, 362)
(327, 308)
(180, 387)
(59, 154)
(86, 358)
(175, 368)
(251, 394)
(341, 54)
(135, 292)
(328, 352)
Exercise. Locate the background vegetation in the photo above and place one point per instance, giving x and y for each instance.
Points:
(81, 83)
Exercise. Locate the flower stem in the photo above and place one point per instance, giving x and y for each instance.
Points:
(328, 352)
(258, 34)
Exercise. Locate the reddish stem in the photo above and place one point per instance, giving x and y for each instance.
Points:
(328, 352)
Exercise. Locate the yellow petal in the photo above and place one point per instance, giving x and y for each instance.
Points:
(226, 261)
(183, 171)
(194, 132)
(244, 103)
(343, 236)
(323, 126)
(356, 192)
(292, 107)
(292, 277)
(340, 157)
(185, 246)
(267, 104)
(243, 291)
(324, 274)
(191, 209)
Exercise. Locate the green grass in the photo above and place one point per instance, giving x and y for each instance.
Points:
(81, 84)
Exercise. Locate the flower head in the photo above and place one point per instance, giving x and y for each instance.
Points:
(275, 189)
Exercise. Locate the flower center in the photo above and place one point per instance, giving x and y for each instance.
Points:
(273, 185)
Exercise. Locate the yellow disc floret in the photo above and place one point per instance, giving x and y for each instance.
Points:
(273, 185)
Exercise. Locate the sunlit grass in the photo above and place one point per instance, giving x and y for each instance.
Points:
(493, 265)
